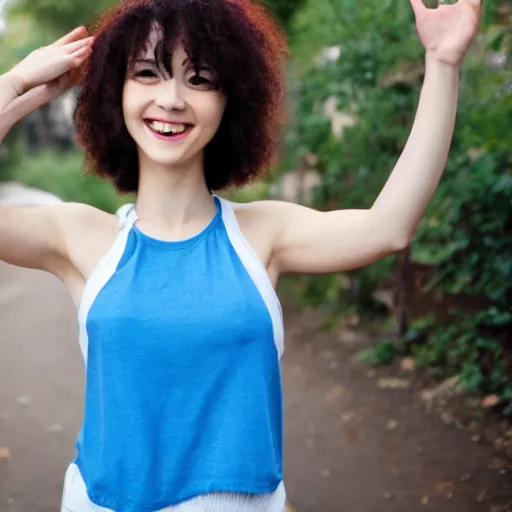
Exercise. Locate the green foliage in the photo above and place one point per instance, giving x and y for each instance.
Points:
(467, 231)
(384, 353)
(284, 10)
(473, 346)
(59, 16)
(355, 168)
(62, 174)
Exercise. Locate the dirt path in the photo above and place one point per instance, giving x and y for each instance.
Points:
(349, 446)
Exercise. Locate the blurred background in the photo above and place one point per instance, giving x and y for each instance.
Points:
(399, 375)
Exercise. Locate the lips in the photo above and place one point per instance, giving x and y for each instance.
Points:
(166, 130)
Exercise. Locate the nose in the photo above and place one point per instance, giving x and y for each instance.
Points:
(170, 96)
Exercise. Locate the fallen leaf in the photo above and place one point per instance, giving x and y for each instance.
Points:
(392, 424)
(353, 321)
(347, 336)
(445, 487)
(347, 417)
(5, 453)
(443, 390)
(490, 401)
(407, 364)
(388, 383)
(498, 463)
(335, 393)
(482, 495)
(447, 418)
(325, 473)
(425, 500)
(499, 443)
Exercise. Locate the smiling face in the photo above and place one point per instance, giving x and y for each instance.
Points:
(172, 111)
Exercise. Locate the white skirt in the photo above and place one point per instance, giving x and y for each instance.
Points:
(76, 499)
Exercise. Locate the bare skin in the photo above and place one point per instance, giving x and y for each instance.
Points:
(173, 201)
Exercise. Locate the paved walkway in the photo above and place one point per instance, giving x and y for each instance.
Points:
(349, 446)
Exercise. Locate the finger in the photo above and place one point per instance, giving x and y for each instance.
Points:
(77, 33)
(77, 45)
(80, 56)
(474, 3)
(417, 6)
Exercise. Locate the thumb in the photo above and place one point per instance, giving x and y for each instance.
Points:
(417, 6)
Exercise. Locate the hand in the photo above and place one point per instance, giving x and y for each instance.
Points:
(447, 31)
(58, 66)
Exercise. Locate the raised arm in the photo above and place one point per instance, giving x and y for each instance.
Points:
(309, 241)
(34, 237)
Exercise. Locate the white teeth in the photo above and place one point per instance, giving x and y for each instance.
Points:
(161, 127)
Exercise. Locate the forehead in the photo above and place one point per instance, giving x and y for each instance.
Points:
(155, 45)
(163, 52)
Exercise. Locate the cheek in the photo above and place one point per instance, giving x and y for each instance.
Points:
(127, 106)
(212, 113)
(131, 111)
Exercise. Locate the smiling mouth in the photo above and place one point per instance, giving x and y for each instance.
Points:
(167, 130)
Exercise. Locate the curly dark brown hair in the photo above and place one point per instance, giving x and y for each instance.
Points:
(238, 39)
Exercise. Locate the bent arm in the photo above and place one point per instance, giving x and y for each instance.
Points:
(324, 242)
(14, 107)
(33, 237)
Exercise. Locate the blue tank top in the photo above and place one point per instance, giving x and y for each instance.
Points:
(182, 342)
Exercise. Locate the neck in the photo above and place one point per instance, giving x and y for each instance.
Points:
(171, 197)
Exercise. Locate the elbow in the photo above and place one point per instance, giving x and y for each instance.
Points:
(400, 242)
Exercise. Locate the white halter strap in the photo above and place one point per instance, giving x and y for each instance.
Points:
(127, 215)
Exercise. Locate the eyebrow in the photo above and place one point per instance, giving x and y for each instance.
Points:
(153, 62)
(145, 61)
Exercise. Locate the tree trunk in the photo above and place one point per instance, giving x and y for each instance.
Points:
(404, 290)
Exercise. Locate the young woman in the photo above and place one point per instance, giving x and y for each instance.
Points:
(180, 326)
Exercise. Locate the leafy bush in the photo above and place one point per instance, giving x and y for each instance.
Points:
(467, 231)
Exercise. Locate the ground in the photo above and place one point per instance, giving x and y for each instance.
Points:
(350, 446)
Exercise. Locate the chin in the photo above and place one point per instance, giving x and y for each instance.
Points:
(167, 159)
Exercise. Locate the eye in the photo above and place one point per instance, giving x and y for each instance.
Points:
(200, 81)
(201, 77)
(145, 73)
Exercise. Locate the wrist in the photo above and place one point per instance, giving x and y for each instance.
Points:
(440, 68)
(434, 60)
(14, 82)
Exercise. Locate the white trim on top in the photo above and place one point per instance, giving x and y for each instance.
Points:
(102, 273)
(256, 271)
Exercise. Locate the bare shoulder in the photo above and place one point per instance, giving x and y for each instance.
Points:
(88, 233)
(73, 216)
(85, 229)
(260, 212)
(268, 215)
